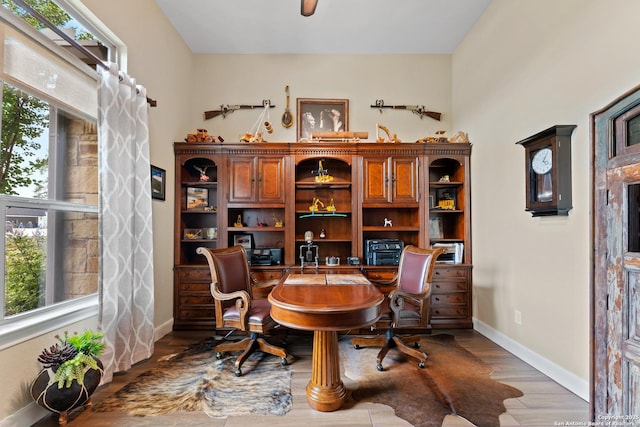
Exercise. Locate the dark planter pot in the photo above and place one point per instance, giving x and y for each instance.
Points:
(46, 394)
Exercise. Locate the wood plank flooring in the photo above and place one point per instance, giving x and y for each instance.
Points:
(544, 402)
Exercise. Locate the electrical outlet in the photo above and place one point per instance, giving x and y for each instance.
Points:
(518, 317)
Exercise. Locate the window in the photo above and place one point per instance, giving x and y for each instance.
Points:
(48, 177)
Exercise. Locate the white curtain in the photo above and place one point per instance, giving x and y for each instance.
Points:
(126, 279)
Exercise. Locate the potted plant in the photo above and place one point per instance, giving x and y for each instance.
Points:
(71, 373)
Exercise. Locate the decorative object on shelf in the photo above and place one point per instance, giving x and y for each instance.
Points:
(210, 209)
(435, 228)
(323, 234)
(210, 233)
(548, 171)
(389, 138)
(158, 183)
(322, 174)
(446, 199)
(308, 251)
(261, 126)
(226, 109)
(277, 222)
(192, 234)
(321, 115)
(203, 172)
(353, 260)
(71, 373)
(332, 260)
(459, 137)
(197, 198)
(238, 222)
(287, 117)
(444, 178)
(388, 223)
(201, 135)
(331, 207)
(440, 137)
(346, 136)
(420, 110)
(260, 223)
(244, 240)
(315, 205)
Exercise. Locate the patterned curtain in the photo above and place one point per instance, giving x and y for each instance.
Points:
(126, 269)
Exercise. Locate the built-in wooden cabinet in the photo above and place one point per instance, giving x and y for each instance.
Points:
(267, 195)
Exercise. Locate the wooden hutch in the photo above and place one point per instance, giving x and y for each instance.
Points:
(262, 195)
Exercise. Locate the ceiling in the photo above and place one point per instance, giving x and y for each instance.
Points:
(336, 27)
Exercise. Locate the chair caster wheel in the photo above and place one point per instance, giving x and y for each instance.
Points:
(357, 347)
(238, 372)
(421, 365)
(218, 355)
(284, 362)
(379, 367)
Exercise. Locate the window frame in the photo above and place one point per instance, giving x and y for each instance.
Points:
(27, 325)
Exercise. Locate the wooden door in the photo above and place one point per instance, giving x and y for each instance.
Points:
(616, 276)
(404, 180)
(376, 180)
(271, 179)
(242, 180)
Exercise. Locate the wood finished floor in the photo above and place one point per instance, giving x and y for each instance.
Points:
(544, 402)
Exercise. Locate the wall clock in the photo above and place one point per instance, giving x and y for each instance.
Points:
(548, 171)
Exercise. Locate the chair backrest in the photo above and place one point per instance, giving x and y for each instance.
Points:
(229, 268)
(415, 270)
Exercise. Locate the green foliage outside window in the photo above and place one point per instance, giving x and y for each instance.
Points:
(25, 265)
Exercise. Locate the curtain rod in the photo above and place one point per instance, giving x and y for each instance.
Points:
(70, 40)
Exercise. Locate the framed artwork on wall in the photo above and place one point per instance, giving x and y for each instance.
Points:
(158, 183)
(321, 115)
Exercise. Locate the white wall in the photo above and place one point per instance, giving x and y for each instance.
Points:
(528, 65)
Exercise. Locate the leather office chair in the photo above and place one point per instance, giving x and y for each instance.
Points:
(235, 307)
(406, 306)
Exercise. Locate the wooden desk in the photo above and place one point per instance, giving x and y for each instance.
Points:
(325, 304)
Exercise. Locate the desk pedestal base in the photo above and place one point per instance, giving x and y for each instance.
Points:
(325, 391)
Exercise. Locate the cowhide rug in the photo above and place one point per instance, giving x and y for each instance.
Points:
(453, 381)
(194, 380)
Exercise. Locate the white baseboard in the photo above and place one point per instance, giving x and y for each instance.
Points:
(164, 329)
(25, 417)
(569, 380)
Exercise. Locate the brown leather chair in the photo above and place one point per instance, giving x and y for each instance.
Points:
(406, 306)
(235, 307)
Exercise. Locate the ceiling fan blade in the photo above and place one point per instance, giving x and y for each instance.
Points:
(308, 7)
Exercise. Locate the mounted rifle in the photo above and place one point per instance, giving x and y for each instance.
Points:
(226, 109)
(420, 110)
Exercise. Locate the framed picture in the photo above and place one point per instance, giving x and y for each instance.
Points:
(158, 183)
(435, 228)
(244, 240)
(197, 198)
(446, 198)
(321, 115)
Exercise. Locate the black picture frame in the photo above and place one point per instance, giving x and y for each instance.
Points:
(318, 114)
(158, 183)
(245, 240)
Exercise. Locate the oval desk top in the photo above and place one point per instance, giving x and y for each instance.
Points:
(325, 307)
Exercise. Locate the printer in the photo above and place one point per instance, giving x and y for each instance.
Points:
(383, 251)
(265, 256)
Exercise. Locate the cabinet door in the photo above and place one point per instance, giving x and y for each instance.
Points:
(376, 180)
(241, 180)
(404, 180)
(270, 180)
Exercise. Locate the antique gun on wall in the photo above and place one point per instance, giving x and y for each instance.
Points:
(420, 110)
(226, 109)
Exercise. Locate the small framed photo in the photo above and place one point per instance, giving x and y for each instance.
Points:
(244, 240)
(158, 183)
(446, 198)
(435, 228)
(321, 115)
(197, 198)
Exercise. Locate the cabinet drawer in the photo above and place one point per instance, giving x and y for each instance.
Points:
(196, 300)
(449, 273)
(198, 274)
(195, 313)
(449, 299)
(378, 275)
(267, 275)
(443, 287)
(449, 312)
(194, 287)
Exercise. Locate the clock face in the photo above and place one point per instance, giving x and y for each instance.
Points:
(541, 162)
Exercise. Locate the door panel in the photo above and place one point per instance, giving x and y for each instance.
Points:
(405, 180)
(376, 180)
(270, 180)
(241, 180)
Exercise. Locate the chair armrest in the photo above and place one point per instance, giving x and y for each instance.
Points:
(243, 301)
(398, 297)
